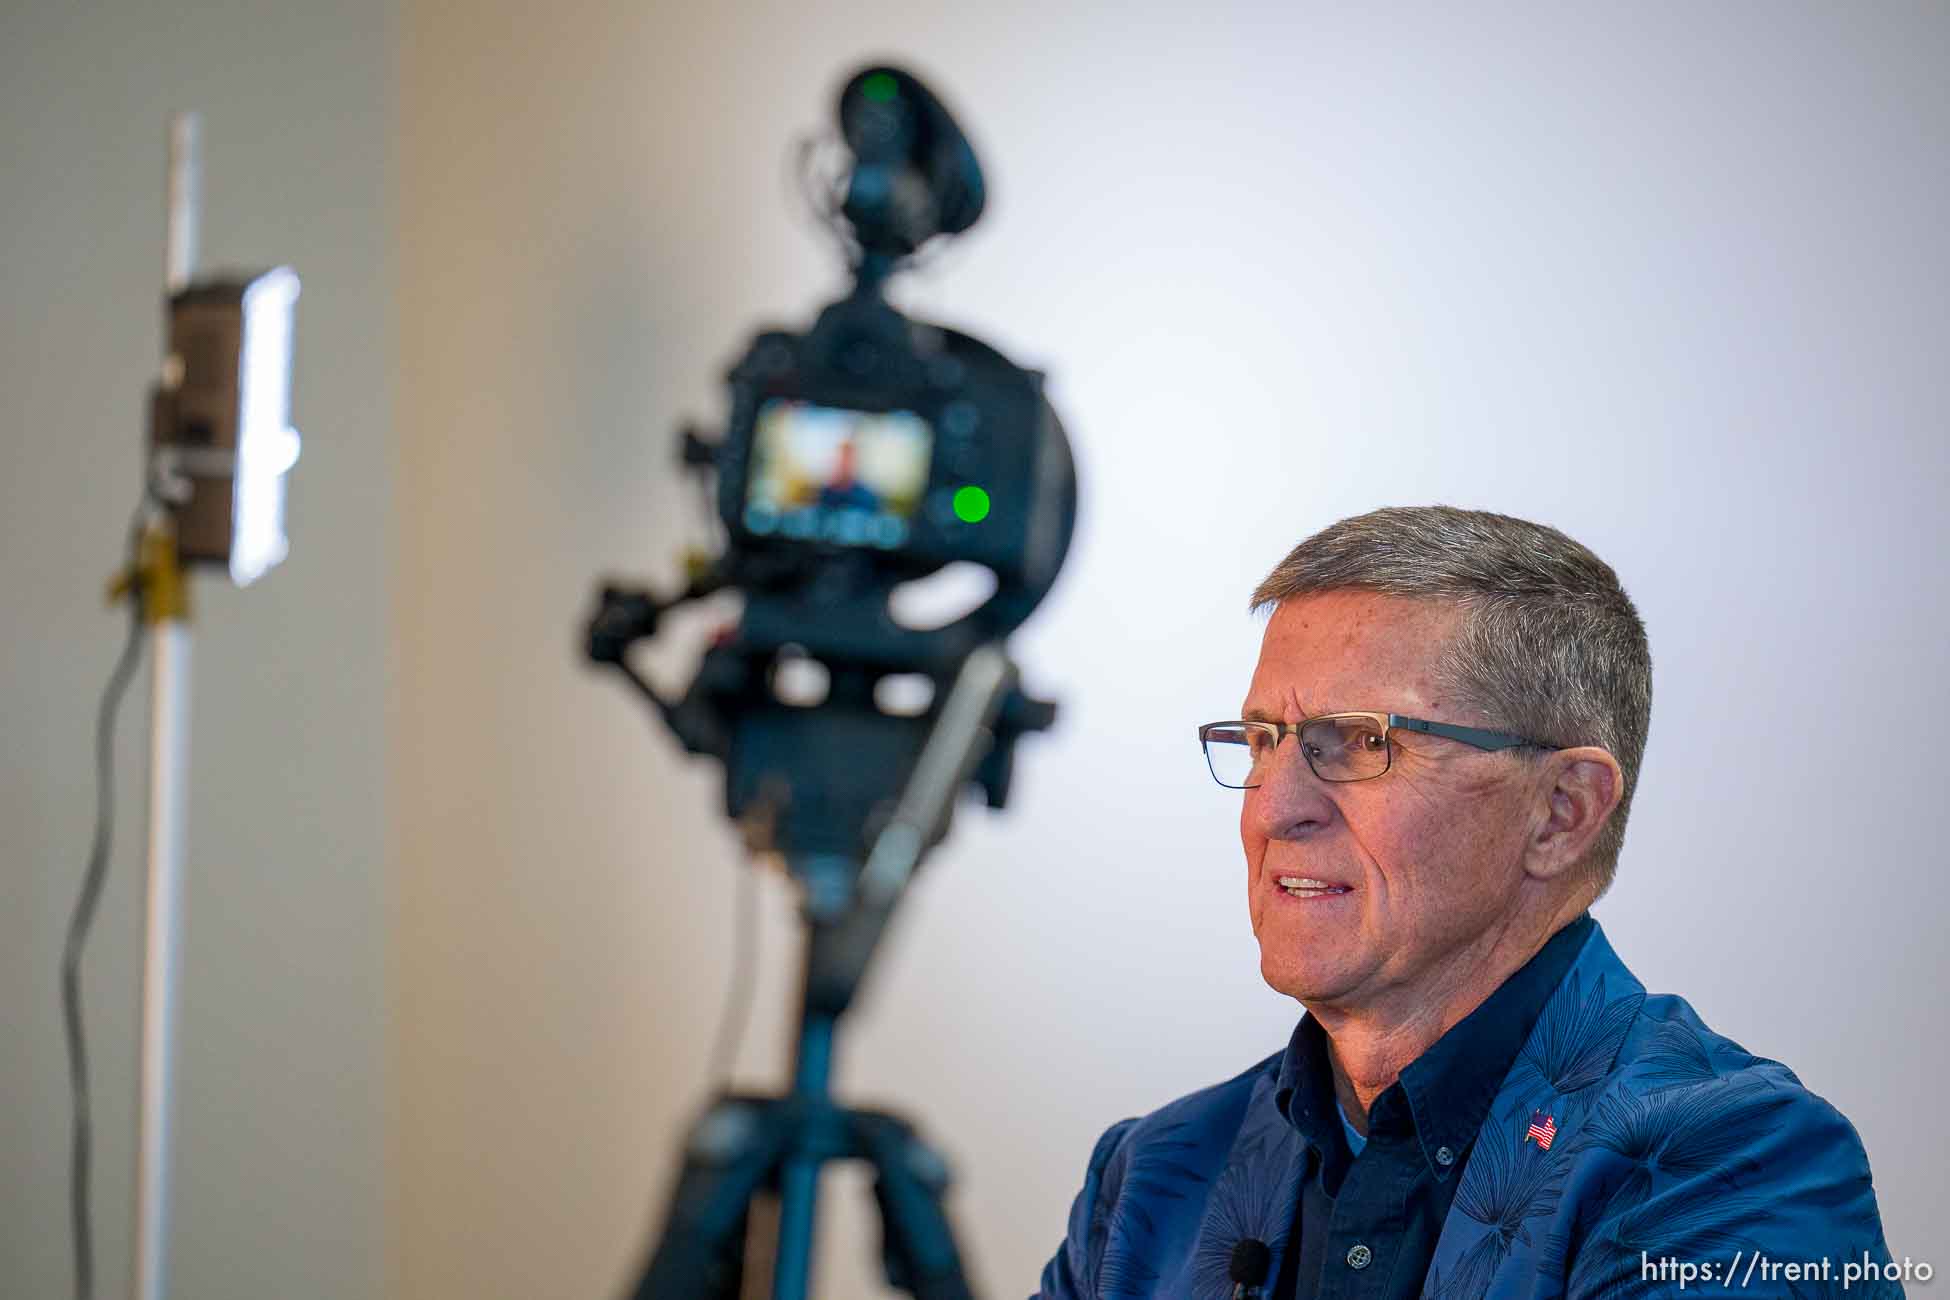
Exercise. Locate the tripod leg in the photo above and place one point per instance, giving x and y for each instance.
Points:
(798, 1193)
(822, 1133)
(731, 1153)
(920, 1246)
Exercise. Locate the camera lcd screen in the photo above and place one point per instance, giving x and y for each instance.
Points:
(826, 474)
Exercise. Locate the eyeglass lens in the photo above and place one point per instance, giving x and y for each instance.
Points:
(1338, 749)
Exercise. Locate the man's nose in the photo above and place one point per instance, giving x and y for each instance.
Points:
(1290, 800)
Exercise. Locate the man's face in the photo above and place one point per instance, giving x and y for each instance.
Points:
(1429, 853)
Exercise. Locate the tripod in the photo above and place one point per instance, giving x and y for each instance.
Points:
(744, 1145)
(869, 453)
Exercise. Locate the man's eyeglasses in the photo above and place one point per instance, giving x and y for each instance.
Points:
(1337, 746)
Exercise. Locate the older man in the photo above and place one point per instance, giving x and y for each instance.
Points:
(1437, 754)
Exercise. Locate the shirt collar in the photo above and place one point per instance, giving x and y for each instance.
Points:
(1304, 1088)
(1450, 1086)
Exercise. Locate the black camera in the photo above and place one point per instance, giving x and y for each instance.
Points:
(867, 452)
(873, 450)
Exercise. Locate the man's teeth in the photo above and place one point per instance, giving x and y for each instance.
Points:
(1308, 887)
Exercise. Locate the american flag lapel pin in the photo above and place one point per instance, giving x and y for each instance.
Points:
(1542, 1129)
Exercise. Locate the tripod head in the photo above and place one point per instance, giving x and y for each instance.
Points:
(868, 452)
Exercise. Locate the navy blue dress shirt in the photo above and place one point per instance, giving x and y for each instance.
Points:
(1368, 1224)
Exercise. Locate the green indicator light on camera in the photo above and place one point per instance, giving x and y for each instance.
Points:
(971, 504)
(880, 88)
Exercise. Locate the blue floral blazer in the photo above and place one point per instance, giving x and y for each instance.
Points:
(1630, 1148)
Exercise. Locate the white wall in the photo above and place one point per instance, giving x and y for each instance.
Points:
(1669, 278)
(279, 1173)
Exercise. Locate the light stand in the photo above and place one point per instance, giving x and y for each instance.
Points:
(169, 765)
(220, 445)
(165, 608)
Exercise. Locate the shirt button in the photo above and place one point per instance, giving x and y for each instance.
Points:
(1359, 1256)
(1444, 1156)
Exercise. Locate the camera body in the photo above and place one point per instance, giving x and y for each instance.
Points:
(870, 451)
(873, 450)
(867, 452)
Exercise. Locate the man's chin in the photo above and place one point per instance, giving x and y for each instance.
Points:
(1311, 983)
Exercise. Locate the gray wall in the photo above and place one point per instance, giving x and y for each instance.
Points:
(1669, 278)
(280, 1139)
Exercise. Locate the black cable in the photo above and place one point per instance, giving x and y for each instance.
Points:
(737, 1010)
(820, 186)
(84, 915)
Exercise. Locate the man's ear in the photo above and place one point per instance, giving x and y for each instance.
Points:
(1577, 789)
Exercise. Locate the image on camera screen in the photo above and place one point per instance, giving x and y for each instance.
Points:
(825, 474)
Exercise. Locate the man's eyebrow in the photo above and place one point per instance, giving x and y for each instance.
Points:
(1267, 715)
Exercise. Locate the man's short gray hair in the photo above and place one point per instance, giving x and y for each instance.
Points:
(1549, 645)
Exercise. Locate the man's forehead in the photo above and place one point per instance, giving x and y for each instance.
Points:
(1322, 650)
(1269, 700)
(1399, 627)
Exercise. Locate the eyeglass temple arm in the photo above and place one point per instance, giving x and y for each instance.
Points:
(1468, 735)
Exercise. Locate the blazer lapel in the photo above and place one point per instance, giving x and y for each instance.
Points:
(1515, 1172)
(1255, 1197)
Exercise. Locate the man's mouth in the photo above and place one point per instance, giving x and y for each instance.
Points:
(1308, 887)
